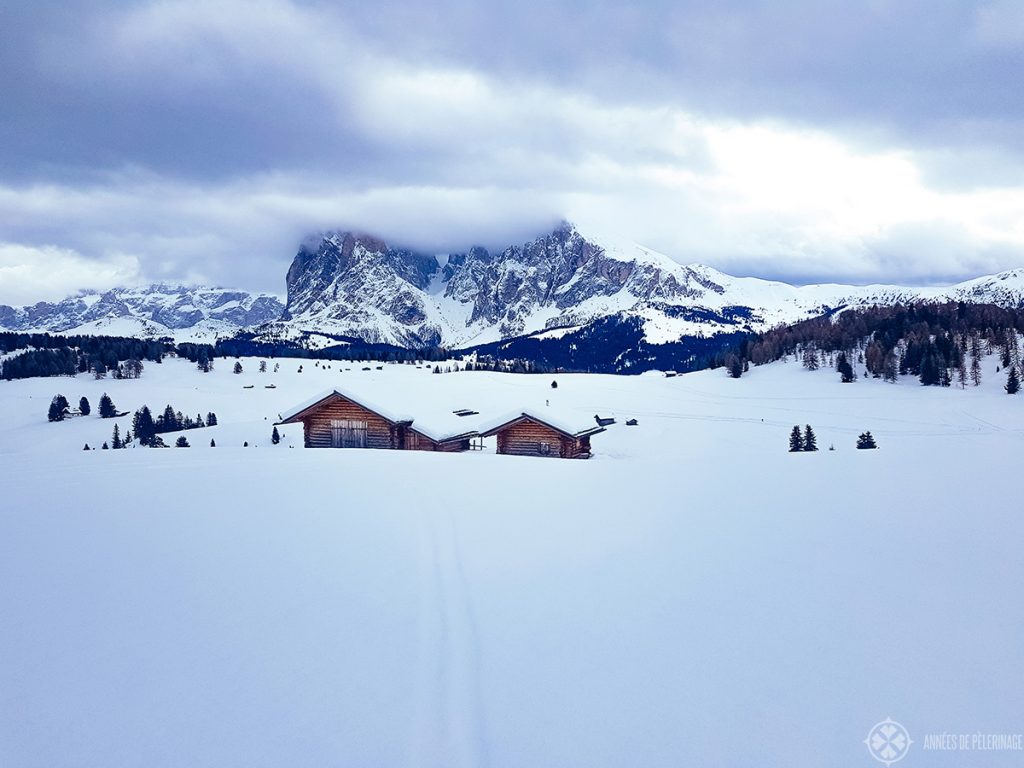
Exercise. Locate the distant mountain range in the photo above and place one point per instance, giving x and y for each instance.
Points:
(155, 310)
(358, 286)
(344, 284)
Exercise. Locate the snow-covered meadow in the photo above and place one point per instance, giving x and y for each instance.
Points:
(692, 595)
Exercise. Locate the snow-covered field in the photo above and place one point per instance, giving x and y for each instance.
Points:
(693, 595)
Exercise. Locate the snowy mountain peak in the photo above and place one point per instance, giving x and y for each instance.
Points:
(154, 310)
(357, 285)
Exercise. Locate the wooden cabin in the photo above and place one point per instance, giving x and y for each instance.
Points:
(419, 440)
(338, 420)
(531, 435)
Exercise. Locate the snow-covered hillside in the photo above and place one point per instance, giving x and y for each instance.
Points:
(188, 314)
(692, 595)
(356, 285)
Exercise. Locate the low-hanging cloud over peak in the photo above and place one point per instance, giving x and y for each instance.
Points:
(852, 141)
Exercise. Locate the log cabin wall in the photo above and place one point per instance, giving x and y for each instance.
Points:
(417, 441)
(414, 441)
(453, 446)
(529, 438)
(380, 433)
(576, 448)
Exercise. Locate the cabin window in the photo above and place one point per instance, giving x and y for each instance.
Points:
(348, 433)
(544, 449)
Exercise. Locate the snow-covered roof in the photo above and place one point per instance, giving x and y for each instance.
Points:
(445, 426)
(387, 413)
(567, 422)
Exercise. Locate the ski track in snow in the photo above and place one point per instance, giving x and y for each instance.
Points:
(449, 727)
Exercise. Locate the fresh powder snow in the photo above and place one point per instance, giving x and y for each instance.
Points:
(692, 595)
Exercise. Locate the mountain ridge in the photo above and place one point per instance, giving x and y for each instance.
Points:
(159, 309)
(357, 286)
(354, 285)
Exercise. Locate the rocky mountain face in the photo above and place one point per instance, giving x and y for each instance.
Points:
(563, 282)
(560, 273)
(356, 285)
(154, 309)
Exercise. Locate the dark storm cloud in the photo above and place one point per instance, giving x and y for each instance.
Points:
(203, 140)
(184, 101)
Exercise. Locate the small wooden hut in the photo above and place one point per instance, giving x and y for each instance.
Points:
(334, 419)
(531, 435)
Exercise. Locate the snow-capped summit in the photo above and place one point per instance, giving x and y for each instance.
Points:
(357, 285)
(153, 310)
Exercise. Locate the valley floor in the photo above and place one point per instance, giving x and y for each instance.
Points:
(693, 595)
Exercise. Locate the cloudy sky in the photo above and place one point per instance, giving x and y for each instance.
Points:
(807, 141)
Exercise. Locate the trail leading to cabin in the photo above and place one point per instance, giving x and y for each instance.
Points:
(449, 714)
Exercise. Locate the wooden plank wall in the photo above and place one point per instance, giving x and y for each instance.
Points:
(525, 437)
(317, 426)
(416, 441)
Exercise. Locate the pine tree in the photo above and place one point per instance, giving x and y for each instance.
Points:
(930, 373)
(866, 441)
(890, 368)
(169, 420)
(975, 371)
(213, 443)
(211, 419)
(143, 426)
(181, 442)
(810, 360)
(263, 366)
(844, 369)
(58, 408)
(1012, 382)
(554, 385)
(238, 367)
(107, 409)
(84, 407)
(115, 441)
(87, 448)
(105, 447)
(810, 441)
(275, 436)
(796, 440)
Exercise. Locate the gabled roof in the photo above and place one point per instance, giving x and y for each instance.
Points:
(442, 436)
(293, 414)
(568, 426)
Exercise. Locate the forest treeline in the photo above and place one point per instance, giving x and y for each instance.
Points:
(940, 344)
(49, 355)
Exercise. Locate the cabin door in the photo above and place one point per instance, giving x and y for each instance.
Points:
(348, 433)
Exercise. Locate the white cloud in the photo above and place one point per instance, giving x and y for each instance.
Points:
(47, 273)
(459, 155)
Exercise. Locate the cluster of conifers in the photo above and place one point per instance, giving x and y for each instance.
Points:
(806, 440)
